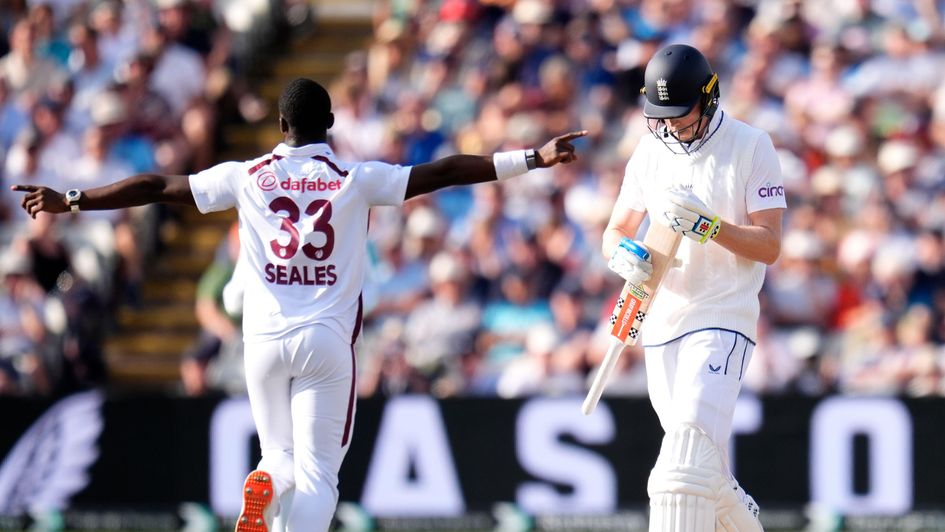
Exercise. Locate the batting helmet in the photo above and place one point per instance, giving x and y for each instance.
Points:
(677, 78)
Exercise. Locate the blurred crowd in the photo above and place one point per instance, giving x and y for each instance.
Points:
(501, 289)
(92, 91)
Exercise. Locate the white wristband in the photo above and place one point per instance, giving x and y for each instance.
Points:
(510, 163)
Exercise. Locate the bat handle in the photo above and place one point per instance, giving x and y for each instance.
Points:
(603, 376)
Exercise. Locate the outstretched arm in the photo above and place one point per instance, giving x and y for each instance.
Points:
(470, 169)
(136, 190)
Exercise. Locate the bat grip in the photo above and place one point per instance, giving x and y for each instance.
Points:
(603, 376)
(633, 247)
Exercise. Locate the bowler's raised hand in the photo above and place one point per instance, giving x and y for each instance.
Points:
(39, 198)
(559, 150)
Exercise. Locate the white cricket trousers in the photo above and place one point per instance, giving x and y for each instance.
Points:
(696, 379)
(301, 391)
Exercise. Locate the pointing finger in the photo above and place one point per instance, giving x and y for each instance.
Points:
(24, 188)
(572, 135)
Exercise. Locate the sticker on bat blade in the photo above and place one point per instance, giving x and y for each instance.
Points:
(637, 292)
(627, 313)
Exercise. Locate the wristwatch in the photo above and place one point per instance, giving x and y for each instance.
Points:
(72, 199)
(531, 159)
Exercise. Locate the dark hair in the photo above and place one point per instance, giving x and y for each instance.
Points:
(306, 107)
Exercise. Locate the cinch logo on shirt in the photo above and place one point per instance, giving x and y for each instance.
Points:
(770, 192)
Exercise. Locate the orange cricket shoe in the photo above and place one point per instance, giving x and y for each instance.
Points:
(257, 512)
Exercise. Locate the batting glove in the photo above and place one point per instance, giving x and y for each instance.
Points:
(685, 213)
(631, 261)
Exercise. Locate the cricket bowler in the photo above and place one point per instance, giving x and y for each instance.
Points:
(303, 222)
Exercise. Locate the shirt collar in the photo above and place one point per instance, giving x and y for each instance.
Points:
(309, 150)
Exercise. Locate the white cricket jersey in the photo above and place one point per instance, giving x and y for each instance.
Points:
(736, 172)
(303, 218)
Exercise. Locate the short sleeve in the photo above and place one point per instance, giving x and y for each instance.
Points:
(381, 183)
(631, 194)
(765, 187)
(214, 189)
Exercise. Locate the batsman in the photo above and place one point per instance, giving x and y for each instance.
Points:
(716, 181)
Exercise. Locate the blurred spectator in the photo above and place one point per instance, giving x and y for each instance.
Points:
(572, 324)
(98, 167)
(26, 74)
(858, 178)
(46, 251)
(542, 369)
(8, 378)
(898, 160)
(110, 115)
(91, 74)
(927, 288)
(486, 229)
(358, 130)
(22, 331)
(12, 118)
(119, 36)
(180, 76)
(441, 331)
(404, 278)
(209, 363)
(150, 116)
(800, 293)
(748, 100)
(386, 371)
(49, 43)
(60, 148)
(178, 73)
(819, 102)
(174, 17)
(77, 352)
(507, 320)
(22, 166)
(11, 12)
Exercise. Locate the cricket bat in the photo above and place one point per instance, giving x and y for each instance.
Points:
(632, 305)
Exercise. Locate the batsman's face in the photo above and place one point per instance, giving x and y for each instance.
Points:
(685, 128)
